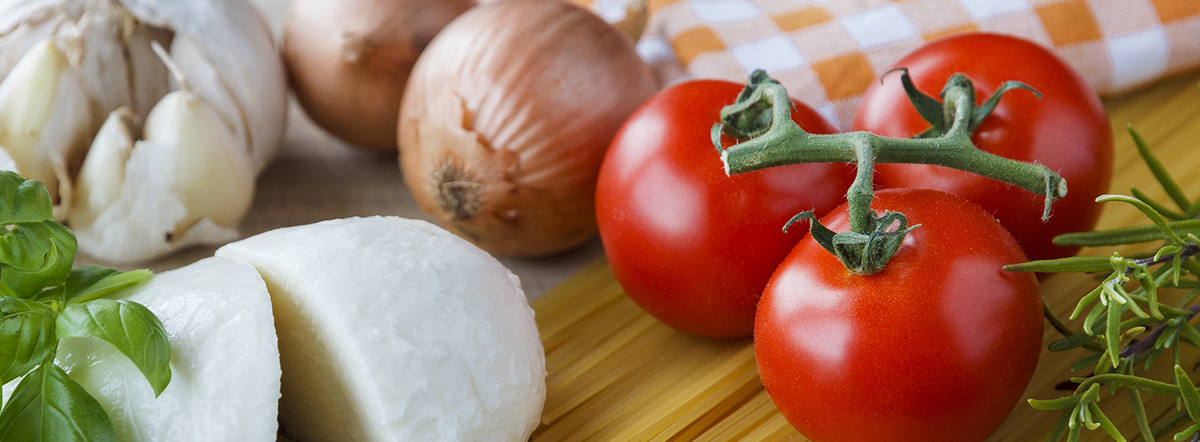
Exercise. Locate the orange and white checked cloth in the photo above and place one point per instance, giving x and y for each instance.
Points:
(827, 52)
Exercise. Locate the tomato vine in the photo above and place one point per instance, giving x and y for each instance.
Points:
(768, 137)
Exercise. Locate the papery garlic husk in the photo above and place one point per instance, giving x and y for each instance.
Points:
(188, 174)
(221, 49)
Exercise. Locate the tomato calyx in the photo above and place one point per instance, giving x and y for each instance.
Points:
(761, 122)
(939, 116)
(861, 253)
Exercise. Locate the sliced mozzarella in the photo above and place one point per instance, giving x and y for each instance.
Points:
(224, 362)
(396, 330)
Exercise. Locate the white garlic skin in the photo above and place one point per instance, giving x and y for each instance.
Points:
(228, 78)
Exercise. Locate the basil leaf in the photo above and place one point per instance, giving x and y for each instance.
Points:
(26, 337)
(35, 250)
(49, 406)
(34, 255)
(23, 200)
(127, 325)
(91, 282)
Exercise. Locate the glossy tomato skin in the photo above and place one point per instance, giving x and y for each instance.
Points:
(939, 346)
(1066, 130)
(690, 245)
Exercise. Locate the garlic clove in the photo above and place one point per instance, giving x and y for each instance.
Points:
(226, 51)
(103, 172)
(187, 182)
(253, 114)
(214, 174)
(140, 223)
(44, 117)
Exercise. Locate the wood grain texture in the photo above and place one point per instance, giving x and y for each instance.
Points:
(616, 374)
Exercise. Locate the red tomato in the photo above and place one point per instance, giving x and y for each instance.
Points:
(1066, 130)
(938, 346)
(690, 245)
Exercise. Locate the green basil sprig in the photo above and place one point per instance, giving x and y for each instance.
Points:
(42, 301)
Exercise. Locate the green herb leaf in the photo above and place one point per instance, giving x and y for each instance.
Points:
(1081, 264)
(23, 200)
(1087, 361)
(1150, 286)
(1150, 213)
(1187, 433)
(34, 255)
(1060, 426)
(1105, 423)
(90, 282)
(1139, 413)
(1131, 381)
(1076, 427)
(1076, 340)
(1161, 209)
(1090, 321)
(35, 250)
(26, 336)
(127, 325)
(1087, 300)
(49, 406)
(1061, 403)
(1160, 173)
(1163, 426)
(1187, 391)
(1125, 235)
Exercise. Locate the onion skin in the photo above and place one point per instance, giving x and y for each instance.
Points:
(508, 115)
(348, 60)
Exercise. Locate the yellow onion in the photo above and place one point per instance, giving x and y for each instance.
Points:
(507, 117)
(348, 60)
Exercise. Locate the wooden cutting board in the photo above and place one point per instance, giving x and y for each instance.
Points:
(616, 374)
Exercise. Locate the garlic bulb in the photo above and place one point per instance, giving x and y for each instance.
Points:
(76, 77)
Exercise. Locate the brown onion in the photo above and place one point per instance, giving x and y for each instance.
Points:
(348, 60)
(508, 114)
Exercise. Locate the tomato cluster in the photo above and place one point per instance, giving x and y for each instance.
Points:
(941, 343)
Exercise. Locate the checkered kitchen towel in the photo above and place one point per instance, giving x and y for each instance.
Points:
(827, 52)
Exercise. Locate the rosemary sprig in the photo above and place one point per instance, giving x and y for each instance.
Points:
(1125, 326)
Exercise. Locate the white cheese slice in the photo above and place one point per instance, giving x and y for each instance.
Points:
(396, 330)
(224, 360)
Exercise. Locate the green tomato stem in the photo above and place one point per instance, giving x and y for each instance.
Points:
(761, 120)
